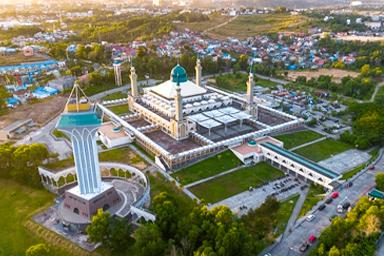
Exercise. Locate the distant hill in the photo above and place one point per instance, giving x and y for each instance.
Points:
(292, 3)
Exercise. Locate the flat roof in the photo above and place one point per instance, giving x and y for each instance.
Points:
(70, 120)
(301, 160)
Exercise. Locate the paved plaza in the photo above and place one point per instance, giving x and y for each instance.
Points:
(345, 161)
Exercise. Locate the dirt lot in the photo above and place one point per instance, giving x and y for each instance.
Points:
(337, 74)
(40, 112)
(18, 58)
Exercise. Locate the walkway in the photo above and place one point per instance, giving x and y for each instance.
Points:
(214, 176)
(219, 25)
(308, 143)
(296, 211)
(378, 86)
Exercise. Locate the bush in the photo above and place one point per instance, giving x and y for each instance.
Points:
(37, 250)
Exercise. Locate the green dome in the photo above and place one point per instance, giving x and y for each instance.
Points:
(178, 74)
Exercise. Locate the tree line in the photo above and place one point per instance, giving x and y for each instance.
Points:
(199, 232)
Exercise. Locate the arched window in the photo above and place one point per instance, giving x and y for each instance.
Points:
(106, 207)
(76, 210)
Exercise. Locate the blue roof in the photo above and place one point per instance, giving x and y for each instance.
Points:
(78, 119)
(178, 74)
(376, 193)
(301, 160)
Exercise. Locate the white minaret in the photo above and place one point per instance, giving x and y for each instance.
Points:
(198, 70)
(134, 89)
(178, 104)
(117, 71)
(250, 86)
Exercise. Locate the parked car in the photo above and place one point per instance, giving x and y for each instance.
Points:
(372, 167)
(335, 195)
(321, 207)
(329, 200)
(304, 247)
(311, 239)
(340, 208)
(346, 205)
(311, 217)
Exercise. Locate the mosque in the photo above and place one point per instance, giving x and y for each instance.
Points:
(181, 121)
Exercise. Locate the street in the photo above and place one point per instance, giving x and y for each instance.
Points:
(290, 244)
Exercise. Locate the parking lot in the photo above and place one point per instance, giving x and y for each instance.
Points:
(253, 198)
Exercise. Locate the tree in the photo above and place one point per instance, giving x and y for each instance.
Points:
(118, 234)
(149, 240)
(166, 214)
(334, 251)
(37, 250)
(380, 181)
(98, 229)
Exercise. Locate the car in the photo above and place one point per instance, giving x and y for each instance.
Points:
(332, 217)
(268, 254)
(311, 217)
(321, 207)
(346, 205)
(335, 195)
(304, 247)
(340, 208)
(372, 167)
(311, 239)
(329, 200)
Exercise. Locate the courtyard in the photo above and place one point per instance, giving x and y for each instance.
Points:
(323, 149)
(236, 182)
(207, 168)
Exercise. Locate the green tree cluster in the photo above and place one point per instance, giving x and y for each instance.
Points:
(20, 162)
(201, 232)
(367, 125)
(113, 232)
(37, 250)
(360, 87)
(356, 234)
(380, 181)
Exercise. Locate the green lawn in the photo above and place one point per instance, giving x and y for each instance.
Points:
(17, 204)
(313, 197)
(292, 140)
(284, 213)
(323, 149)
(121, 155)
(237, 82)
(115, 96)
(119, 109)
(95, 89)
(236, 182)
(207, 168)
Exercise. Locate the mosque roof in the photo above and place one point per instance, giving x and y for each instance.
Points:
(178, 78)
(178, 74)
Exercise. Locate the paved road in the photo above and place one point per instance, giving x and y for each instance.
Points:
(361, 185)
(44, 136)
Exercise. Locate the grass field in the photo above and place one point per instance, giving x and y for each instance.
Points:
(236, 182)
(115, 96)
(237, 82)
(17, 204)
(119, 109)
(214, 20)
(92, 90)
(250, 25)
(207, 168)
(313, 197)
(292, 140)
(18, 58)
(284, 212)
(120, 155)
(323, 149)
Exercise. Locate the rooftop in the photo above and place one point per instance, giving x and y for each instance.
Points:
(72, 120)
(301, 160)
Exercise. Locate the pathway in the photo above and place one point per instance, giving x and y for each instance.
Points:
(214, 176)
(308, 143)
(295, 212)
(378, 86)
(219, 25)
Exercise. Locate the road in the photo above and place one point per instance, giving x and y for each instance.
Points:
(220, 25)
(290, 244)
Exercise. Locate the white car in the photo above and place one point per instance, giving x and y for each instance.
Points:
(311, 217)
